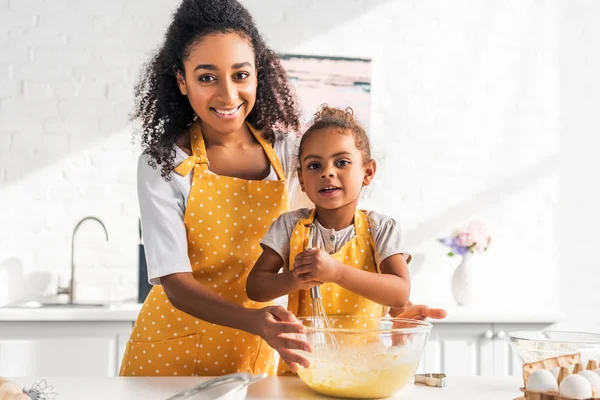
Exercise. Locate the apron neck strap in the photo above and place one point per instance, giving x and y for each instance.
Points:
(199, 148)
(361, 225)
(269, 151)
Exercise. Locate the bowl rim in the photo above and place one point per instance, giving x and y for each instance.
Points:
(420, 325)
(514, 335)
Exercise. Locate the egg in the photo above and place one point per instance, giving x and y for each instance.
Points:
(575, 387)
(593, 378)
(542, 380)
(555, 371)
(597, 371)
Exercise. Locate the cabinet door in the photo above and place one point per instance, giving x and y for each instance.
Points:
(459, 349)
(62, 348)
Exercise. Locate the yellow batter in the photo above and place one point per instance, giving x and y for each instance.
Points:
(359, 373)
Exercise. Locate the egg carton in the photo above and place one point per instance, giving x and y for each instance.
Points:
(565, 362)
(549, 363)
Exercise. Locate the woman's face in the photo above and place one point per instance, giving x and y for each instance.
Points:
(220, 81)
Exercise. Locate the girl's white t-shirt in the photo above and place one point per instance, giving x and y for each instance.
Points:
(163, 204)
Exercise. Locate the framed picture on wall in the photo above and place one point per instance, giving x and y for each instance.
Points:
(337, 81)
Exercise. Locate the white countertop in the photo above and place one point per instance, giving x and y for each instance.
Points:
(129, 312)
(472, 388)
(509, 315)
(116, 312)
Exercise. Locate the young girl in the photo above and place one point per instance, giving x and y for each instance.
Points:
(356, 256)
(208, 103)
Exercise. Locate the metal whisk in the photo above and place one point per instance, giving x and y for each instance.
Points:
(320, 341)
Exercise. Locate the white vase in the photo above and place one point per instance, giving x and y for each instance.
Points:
(463, 282)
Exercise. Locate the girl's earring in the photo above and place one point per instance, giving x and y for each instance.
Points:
(195, 118)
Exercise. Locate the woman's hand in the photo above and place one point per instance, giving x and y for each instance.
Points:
(275, 325)
(316, 265)
(418, 311)
(412, 311)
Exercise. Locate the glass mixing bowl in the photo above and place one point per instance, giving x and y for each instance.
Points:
(362, 357)
(533, 346)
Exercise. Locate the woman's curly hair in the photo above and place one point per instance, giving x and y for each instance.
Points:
(165, 114)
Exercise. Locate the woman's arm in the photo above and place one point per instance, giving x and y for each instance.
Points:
(418, 311)
(189, 296)
(390, 288)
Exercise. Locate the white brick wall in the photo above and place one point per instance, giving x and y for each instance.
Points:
(468, 120)
(66, 80)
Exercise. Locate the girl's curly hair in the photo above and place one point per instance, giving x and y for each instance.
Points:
(333, 117)
(165, 114)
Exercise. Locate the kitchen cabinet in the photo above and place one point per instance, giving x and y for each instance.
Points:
(65, 348)
(474, 349)
(91, 341)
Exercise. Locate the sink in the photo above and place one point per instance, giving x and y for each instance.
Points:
(35, 304)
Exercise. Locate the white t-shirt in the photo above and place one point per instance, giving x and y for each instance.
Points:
(386, 233)
(163, 204)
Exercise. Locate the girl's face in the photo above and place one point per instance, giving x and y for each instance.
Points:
(220, 81)
(332, 170)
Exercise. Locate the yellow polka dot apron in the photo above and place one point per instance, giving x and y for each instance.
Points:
(225, 218)
(337, 301)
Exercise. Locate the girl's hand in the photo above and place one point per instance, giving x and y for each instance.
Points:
(316, 265)
(304, 284)
(275, 325)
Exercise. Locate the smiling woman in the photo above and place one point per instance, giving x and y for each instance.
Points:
(209, 104)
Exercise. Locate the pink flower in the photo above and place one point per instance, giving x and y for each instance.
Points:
(479, 235)
(472, 238)
(464, 239)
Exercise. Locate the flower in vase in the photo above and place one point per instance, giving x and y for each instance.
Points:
(471, 238)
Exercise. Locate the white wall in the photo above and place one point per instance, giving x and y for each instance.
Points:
(578, 215)
(478, 111)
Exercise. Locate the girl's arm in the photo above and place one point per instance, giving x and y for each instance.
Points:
(265, 283)
(390, 288)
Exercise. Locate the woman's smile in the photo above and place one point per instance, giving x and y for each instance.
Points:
(227, 113)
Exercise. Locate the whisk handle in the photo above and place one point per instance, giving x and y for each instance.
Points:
(315, 292)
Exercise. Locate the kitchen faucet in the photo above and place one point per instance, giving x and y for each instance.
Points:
(70, 290)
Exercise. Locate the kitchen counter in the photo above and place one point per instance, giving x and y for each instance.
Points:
(508, 315)
(473, 388)
(114, 312)
(129, 312)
